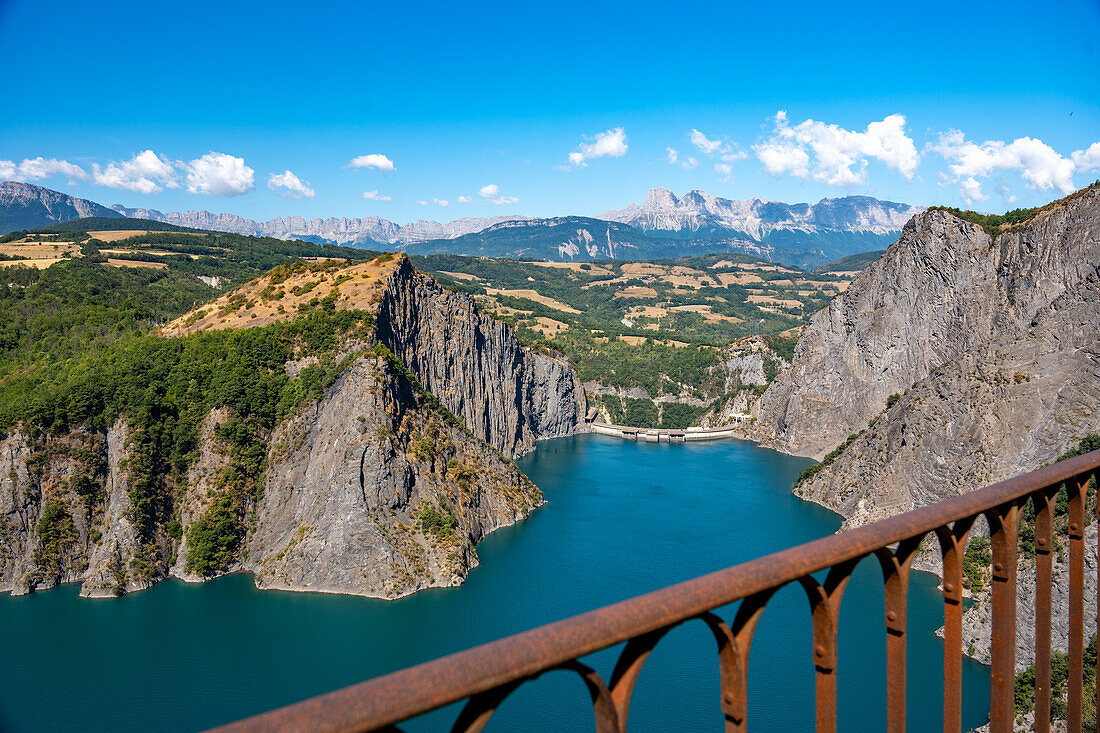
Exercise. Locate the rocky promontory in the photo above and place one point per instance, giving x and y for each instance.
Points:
(380, 484)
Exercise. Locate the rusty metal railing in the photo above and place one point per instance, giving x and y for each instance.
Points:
(484, 676)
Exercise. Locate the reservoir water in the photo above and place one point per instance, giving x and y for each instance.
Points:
(623, 518)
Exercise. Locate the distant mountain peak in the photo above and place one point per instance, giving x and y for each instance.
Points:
(27, 206)
(697, 211)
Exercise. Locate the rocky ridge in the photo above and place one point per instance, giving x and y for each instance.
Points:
(700, 212)
(374, 489)
(955, 360)
(26, 206)
(364, 231)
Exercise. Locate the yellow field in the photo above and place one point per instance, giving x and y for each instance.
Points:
(262, 301)
(462, 276)
(636, 291)
(535, 296)
(135, 263)
(594, 269)
(549, 327)
(120, 234)
(738, 278)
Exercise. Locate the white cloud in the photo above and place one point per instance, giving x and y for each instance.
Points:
(609, 143)
(705, 145)
(1040, 165)
(725, 169)
(441, 202)
(218, 174)
(375, 196)
(689, 163)
(780, 157)
(422, 203)
(7, 169)
(465, 199)
(491, 193)
(374, 160)
(146, 172)
(836, 151)
(672, 155)
(35, 169)
(1088, 159)
(971, 190)
(291, 186)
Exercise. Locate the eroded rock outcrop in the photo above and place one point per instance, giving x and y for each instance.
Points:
(380, 486)
(508, 395)
(954, 361)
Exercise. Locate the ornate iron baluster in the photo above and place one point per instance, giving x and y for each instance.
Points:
(1076, 489)
(1003, 525)
(824, 609)
(744, 626)
(952, 548)
(895, 574)
(479, 708)
(603, 707)
(629, 666)
(1044, 543)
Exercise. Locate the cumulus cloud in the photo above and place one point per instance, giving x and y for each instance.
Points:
(441, 202)
(491, 193)
(374, 160)
(671, 156)
(725, 169)
(290, 186)
(465, 199)
(836, 156)
(689, 163)
(1088, 159)
(375, 196)
(781, 157)
(146, 172)
(219, 174)
(609, 143)
(7, 169)
(35, 169)
(1041, 166)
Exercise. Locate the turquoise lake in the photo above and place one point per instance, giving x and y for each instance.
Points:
(623, 518)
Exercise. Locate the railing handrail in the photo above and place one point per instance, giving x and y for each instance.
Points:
(408, 692)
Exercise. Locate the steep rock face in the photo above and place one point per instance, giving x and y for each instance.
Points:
(1016, 384)
(944, 289)
(508, 395)
(1007, 407)
(372, 488)
(354, 481)
(930, 297)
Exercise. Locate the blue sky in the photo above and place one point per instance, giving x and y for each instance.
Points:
(991, 105)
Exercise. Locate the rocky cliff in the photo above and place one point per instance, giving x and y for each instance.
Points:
(955, 360)
(945, 289)
(507, 394)
(381, 486)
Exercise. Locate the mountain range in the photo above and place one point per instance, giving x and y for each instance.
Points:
(664, 225)
(26, 206)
